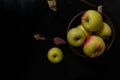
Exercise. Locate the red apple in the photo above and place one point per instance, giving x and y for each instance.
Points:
(94, 46)
(92, 20)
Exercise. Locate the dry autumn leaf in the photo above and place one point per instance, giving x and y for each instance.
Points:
(52, 4)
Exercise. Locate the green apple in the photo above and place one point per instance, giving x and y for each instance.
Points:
(75, 37)
(55, 55)
(104, 32)
(92, 20)
(94, 46)
(87, 33)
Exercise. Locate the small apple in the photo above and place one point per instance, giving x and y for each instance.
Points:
(75, 37)
(55, 55)
(92, 20)
(104, 32)
(94, 46)
(87, 33)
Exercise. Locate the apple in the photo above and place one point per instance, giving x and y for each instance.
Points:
(94, 46)
(87, 33)
(55, 55)
(92, 20)
(75, 37)
(104, 32)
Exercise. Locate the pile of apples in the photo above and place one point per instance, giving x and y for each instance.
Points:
(90, 34)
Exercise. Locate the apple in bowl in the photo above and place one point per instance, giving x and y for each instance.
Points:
(87, 33)
(75, 37)
(92, 20)
(104, 32)
(94, 46)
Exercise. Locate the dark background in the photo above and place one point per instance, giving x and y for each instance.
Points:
(34, 16)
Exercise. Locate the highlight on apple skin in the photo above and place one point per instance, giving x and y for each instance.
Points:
(55, 55)
(75, 37)
(92, 20)
(94, 46)
(104, 32)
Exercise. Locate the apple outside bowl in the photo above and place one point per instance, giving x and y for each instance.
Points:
(76, 20)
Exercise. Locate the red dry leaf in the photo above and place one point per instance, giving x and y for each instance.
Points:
(58, 41)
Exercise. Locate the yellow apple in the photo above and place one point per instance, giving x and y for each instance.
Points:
(87, 33)
(75, 37)
(104, 32)
(55, 55)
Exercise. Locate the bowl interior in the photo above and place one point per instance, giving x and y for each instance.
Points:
(76, 20)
